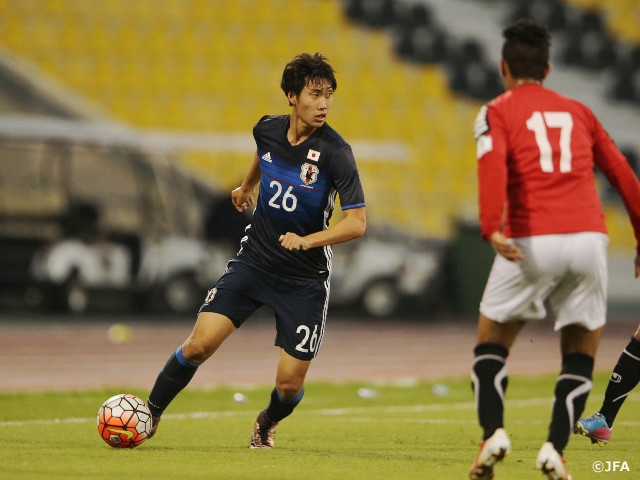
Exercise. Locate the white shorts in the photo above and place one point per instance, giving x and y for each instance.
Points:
(570, 270)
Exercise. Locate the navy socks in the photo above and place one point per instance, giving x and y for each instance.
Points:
(175, 375)
(279, 408)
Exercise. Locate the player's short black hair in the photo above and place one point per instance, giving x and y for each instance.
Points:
(526, 49)
(305, 69)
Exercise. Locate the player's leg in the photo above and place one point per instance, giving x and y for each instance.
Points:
(507, 300)
(285, 397)
(489, 382)
(514, 294)
(289, 385)
(578, 347)
(224, 310)
(300, 306)
(624, 378)
(210, 330)
(489, 372)
(579, 304)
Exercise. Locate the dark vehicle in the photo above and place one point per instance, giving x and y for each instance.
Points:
(89, 215)
(387, 272)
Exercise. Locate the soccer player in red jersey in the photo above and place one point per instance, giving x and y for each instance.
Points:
(540, 210)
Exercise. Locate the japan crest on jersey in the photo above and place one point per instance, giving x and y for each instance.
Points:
(210, 294)
(309, 173)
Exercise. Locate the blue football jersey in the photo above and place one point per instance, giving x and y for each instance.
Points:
(298, 189)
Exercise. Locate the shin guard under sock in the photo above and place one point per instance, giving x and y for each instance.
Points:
(624, 378)
(280, 408)
(175, 375)
(489, 382)
(570, 396)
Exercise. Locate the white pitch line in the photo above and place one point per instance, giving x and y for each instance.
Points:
(326, 412)
(336, 412)
(436, 407)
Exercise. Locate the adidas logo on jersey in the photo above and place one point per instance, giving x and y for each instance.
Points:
(267, 157)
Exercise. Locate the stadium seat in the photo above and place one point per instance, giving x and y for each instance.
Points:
(189, 66)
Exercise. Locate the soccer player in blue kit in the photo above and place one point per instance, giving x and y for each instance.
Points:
(284, 260)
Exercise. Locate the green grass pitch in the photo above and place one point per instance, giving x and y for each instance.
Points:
(405, 432)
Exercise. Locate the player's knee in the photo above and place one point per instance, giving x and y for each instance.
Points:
(636, 335)
(289, 389)
(196, 351)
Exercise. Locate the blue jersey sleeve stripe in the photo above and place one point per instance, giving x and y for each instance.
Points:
(355, 205)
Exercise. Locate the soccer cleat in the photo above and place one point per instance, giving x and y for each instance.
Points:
(264, 432)
(551, 463)
(492, 450)
(155, 420)
(595, 427)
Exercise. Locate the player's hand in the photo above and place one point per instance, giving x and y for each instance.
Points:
(637, 265)
(504, 247)
(242, 199)
(293, 242)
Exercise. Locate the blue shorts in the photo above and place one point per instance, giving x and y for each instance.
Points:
(299, 304)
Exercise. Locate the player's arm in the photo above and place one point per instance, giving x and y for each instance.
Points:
(242, 197)
(352, 225)
(492, 197)
(492, 183)
(504, 247)
(613, 164)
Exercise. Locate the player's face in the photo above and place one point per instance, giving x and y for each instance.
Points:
(313, 103)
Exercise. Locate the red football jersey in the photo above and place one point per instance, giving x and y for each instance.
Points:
(536, 154)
